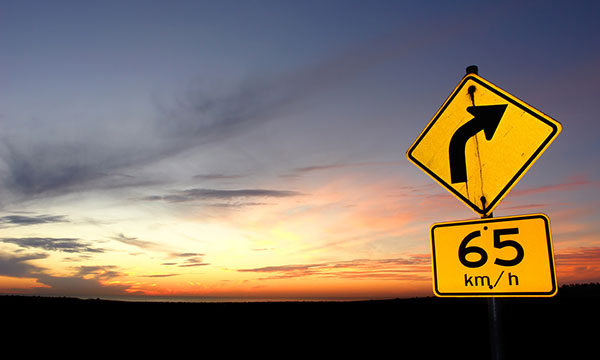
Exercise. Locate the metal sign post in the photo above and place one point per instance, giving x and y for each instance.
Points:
(478, 145)
(494, 318)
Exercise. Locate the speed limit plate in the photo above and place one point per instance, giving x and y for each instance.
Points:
(506, 256)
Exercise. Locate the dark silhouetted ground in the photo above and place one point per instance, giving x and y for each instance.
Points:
(402, 328)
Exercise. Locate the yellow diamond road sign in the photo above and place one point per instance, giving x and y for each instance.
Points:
(510, 256)
(481, 142)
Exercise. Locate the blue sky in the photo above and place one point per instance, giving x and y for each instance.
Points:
(122, 120)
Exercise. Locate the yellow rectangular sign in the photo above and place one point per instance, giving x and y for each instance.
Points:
(508, 256)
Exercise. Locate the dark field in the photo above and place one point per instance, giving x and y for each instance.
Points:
(401, 328)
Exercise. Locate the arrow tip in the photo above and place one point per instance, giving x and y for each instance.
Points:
(489, 116)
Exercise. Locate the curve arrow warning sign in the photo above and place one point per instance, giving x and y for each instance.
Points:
(481, 142)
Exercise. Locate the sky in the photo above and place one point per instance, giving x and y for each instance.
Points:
(218, 150)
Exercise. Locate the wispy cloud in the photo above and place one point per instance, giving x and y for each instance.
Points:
(314, 168)
(214, 194)
(570, 184)
(578, 264)
(318, 168)
(87, 154)
(133, 241)
(68, 245)
(526, 207)
(38, 165)
(412, 267)
(194, 261)
(187, 260)
(187, 254)
(217, 177)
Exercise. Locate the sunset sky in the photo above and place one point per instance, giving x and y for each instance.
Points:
(217, 150)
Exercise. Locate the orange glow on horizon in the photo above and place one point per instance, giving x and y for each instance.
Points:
(350, 237)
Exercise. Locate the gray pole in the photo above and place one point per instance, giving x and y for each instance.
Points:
(494, 315)
(494, 307)
(495, 321)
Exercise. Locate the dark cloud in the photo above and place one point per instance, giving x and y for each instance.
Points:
(236, 204)
(186, 254)
(101, 272)
(85, 282)
(213, 194)
(28, 172)
(193, 264)
(79, 286)
(22, 220)
(94, 155)
(17, 266)
(217, 177)
(68, 245)
(160, 275)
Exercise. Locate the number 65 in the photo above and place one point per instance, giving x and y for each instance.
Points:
(464, 250)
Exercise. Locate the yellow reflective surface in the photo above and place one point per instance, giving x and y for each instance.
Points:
(509, 256)
(492, 166)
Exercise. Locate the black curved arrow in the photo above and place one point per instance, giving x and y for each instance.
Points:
(486, 118)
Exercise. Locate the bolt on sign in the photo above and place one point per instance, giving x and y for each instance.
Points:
(508, 256)
(481, 142)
